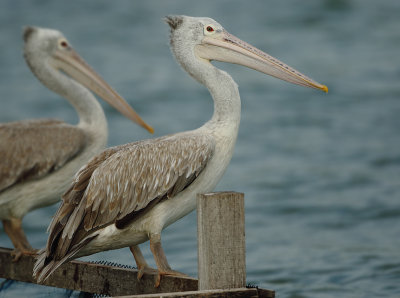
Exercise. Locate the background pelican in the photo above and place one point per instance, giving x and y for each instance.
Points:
(40, 157)
(128, 194)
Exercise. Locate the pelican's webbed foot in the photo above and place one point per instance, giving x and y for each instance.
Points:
(141, 262)
(13, 228)
(161, 260)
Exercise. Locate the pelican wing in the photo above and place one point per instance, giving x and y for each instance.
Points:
(120, 183)
(31, 149)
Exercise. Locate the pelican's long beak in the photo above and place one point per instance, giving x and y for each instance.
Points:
(223, 46)
(73, 65)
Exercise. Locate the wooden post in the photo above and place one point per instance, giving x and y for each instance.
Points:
(221, 241)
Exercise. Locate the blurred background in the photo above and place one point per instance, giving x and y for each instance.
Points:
(320, 172)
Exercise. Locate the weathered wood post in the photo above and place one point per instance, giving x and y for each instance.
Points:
(221, 241)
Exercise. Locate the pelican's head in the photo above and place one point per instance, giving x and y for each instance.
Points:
(47, 49)
(205, 39)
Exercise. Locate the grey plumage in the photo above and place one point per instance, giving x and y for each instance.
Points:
(162, 168)
(27, 153)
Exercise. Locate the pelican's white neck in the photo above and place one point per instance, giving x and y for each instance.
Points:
(225, 94)
(86, 105)
(224, 91)
(90, 112)
(220, 84)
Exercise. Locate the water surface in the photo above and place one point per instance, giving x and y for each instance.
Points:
(320, 172)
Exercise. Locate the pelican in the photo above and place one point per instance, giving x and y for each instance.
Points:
(40, 157)
(128, 194)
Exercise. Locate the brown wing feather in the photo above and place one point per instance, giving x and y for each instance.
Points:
(31, 149)
(123, 180)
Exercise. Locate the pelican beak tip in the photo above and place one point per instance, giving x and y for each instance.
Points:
(150, 129)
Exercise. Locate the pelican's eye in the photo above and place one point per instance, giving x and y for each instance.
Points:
(209, 29)
(63, 44)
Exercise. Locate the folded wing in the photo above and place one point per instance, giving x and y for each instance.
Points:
(32, 149)
(118, 184)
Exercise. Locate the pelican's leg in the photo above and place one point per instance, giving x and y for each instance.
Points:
(161, 260)
(13, 228)
(141, 262)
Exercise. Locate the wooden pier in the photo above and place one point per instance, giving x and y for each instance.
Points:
(221, 257)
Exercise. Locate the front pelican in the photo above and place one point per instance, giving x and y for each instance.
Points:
(39, 157)
(130, 193)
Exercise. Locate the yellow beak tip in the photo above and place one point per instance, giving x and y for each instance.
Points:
(150, 129)
(324, 88)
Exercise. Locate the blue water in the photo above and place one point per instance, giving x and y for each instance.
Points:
(320, 172)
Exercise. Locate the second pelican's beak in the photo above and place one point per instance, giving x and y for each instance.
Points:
(224, 47)
(68, 60)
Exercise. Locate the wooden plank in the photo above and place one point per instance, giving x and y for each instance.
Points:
(221, 241)
(241, 292)
(93, 278)
(264, 293)
(237, 293)
(114, 281)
